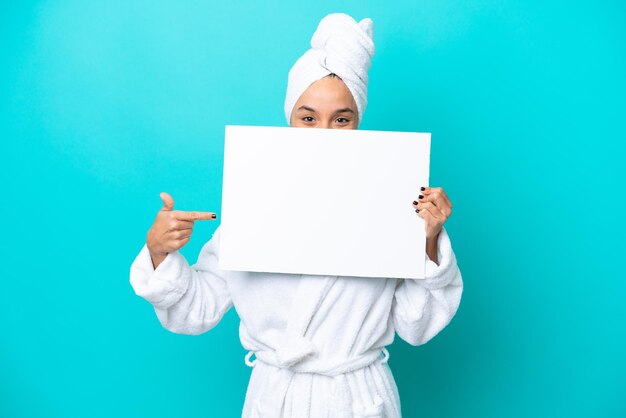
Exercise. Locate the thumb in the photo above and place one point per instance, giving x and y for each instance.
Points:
(168, 201)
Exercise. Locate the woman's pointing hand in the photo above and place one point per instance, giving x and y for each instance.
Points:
(172, 229)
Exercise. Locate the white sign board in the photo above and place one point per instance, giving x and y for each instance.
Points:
(323, 201)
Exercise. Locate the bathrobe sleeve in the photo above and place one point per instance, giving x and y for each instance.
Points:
(186, 299)
(423, 307)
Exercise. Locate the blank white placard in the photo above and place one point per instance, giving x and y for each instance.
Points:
(323, 201)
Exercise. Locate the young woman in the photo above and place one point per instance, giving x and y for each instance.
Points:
(319, 341)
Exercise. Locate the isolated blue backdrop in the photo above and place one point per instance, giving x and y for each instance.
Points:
(104, 104)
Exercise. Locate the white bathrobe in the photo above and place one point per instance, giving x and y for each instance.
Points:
(318, 341)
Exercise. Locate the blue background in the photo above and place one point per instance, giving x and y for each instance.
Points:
(104, 104)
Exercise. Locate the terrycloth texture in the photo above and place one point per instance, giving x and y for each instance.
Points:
(342, 46)
(319, 341)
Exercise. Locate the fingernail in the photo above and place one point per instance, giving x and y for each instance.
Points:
(414, 202)
(417, 210)
(214, 216)
(420, 197)
(422, 188)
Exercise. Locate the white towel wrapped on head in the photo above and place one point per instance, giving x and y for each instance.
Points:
(341, 46)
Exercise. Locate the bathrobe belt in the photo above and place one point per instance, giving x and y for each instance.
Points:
(297, 354)
(301, 357)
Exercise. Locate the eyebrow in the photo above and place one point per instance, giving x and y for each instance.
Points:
(343, 110)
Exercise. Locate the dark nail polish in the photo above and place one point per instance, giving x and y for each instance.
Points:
(423, 188)
(420, 196)
(417, 210)
(214, 216)
(414, 202)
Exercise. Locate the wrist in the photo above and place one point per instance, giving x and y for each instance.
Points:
(431, 248)
(157, 258)
(433, 238)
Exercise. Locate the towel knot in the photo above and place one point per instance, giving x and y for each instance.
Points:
(345, 41)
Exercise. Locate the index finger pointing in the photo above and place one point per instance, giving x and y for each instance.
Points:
(195, 216)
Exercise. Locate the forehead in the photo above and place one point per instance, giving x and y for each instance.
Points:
(329, 91)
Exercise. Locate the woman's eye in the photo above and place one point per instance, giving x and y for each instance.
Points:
(308, 119)
(342, 120)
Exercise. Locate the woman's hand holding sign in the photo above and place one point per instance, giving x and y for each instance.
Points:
(172, 229)
(435, 208)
